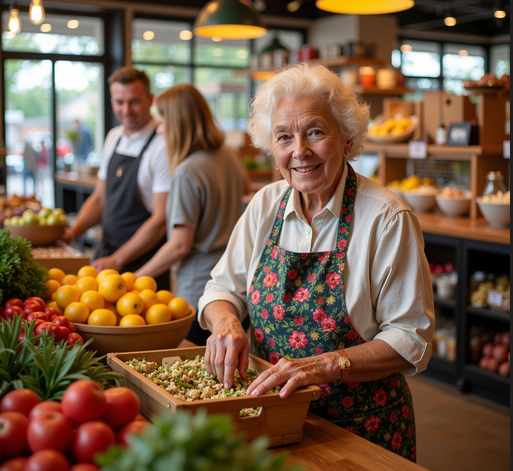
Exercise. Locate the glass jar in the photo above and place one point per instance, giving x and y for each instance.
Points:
(451, 344)
(495, 183)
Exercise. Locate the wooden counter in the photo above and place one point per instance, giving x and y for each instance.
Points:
(74, 178)
(328, 447)
(463, 228)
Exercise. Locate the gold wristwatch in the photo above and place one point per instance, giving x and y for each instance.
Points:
(345, 366)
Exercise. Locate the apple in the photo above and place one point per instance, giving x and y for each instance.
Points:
(44, 213)
(449, 267)
(58, 211)
(62, 219)
(438, 269)
(42, 222)
(504, 368)
(14, 221)
(52, 220)
(29, 217)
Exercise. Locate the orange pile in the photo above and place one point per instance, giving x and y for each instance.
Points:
(108, 298)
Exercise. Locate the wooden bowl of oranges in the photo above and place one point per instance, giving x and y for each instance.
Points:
(120, 312)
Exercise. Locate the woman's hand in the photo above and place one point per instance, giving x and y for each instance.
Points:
(227, 346)
(294, 373)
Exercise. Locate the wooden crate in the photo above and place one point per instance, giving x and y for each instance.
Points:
(280, 419)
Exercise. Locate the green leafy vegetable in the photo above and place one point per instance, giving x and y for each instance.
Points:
(20, 276)
(186, 442)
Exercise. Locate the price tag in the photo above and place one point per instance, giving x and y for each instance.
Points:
(417, 150)
(505, 149)
(495, 298)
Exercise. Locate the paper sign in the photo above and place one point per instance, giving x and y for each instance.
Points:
(417, 150)
(494, 298)
(505, 149)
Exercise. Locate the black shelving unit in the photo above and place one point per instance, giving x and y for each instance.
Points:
(469, 256)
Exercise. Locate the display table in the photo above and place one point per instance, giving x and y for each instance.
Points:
(328, 447)
(60, 256)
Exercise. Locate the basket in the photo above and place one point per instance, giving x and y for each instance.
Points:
(280, 419)
(38, 235)
(142, 337)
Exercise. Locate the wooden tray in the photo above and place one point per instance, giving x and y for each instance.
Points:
(280, 419)
(60, 256)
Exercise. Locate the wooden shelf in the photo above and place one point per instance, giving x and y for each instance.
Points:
(487, 379)
(73, 178)
(366, 90)
(447, 303)
(489, 314)
(400, 151)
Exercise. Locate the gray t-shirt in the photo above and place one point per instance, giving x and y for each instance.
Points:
(206, 194)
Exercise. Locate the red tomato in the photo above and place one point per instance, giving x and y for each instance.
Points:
(49, 327)
(13, 434)
(50, 431)
(36, 315)
(11, 311)
(16, 464)
(50, 312)
(35, 299)
(47, 460)
(32, 307)
(141, 417)
(45, 406)
(20, 339)
(72, 327)
(20, 400)
(82, 467)
(13, 302)
(122, 407)
(92, 438)
(74, 338)
(137, 426)
(1, 313)
(62, 334)
(83, 400)
(61, 321)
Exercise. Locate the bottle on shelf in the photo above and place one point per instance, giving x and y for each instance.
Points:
(495, 183)
(441, 135)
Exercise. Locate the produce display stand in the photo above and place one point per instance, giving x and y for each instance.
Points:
(61, 256)
(280, 419)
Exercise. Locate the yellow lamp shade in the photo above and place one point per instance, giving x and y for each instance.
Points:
(364, 7)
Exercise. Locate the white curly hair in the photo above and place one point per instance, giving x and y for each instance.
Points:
(319, 82)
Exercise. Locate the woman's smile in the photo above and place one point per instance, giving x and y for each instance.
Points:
(306, 171)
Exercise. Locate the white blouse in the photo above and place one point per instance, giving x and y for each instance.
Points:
(388, 288)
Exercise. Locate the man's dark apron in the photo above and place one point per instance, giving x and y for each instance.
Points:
(124, 211)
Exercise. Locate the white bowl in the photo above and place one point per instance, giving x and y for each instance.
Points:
(496, 214)
(420, 203)
(453, 207)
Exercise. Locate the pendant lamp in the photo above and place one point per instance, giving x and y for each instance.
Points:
(364, 7)
(229, 19)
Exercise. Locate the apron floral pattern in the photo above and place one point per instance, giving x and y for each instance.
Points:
(297, 308)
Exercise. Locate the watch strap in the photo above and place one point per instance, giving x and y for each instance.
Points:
(345, 366)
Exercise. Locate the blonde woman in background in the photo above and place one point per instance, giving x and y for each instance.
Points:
(205, 196)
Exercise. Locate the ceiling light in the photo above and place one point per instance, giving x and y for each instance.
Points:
(148, 35)
(73, 24)
(406, 48)
(449, 21)
(36, 12)
(364, 7)
(463, 53)
(499, 14)
(294, 6)
(185, 35)
(242, 54)
(14, 23)
(217, 39)
(46, 27)
(10, 35)
(260, 5)
(218, 52)
(229, 19)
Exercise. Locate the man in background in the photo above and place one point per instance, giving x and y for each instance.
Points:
(84, 144)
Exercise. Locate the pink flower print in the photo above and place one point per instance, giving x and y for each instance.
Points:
(323, 258)
(349, 217)
(320, 302)
(272, 342)
(298, 339)
(304, 255)
(311, 277)
(350, 192)
(266, 269)
(298, 320)
(352, 334)
(347, 320)
(250, 289)
(274, 252)
(342, 244)
(332, 411)
(396, 441)
(325, 390)
(414, 454)
(255, 297)
(333, 280)
(270, 279)
(265, 313)
(393, 382)
(286, 297)
(347, 402)
(372, 424)
(292, 274)
(343, 230)
(329, 324)
(319, 315)
(259, 335)
(268, 243)
(350, 429)
(380, 397)
(351, 170)
(409, 432)
(318, 351)
(278, 312)
(352, 385)
(282, 260)
(344, 210)
(301, 294)
(393, 418)
(341, 268)
(279, 215)
(406, 411)
(269, 298)
(274, 357)
(282, 205)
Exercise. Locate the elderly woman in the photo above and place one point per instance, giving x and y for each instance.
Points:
(329, 265)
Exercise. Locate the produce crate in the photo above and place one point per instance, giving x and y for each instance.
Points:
(60, 256)
(499, 300)
(280, 419)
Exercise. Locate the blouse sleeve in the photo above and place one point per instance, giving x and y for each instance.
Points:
(402, 292)
(186, 204)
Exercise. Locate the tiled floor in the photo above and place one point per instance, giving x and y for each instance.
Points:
(459, 432)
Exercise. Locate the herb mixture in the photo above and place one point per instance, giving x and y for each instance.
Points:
(188, 380)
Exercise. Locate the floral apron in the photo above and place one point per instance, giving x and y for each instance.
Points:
(298, 309)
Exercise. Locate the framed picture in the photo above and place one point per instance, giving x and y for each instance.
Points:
(460, 134)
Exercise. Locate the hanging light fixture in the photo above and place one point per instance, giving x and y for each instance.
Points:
(36, 12)
(14, 23)
(364, 7)
(229, 19)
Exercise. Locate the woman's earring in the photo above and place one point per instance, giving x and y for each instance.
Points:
(276, 166)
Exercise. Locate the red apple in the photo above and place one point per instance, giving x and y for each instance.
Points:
(35, 299)
(504, 368)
